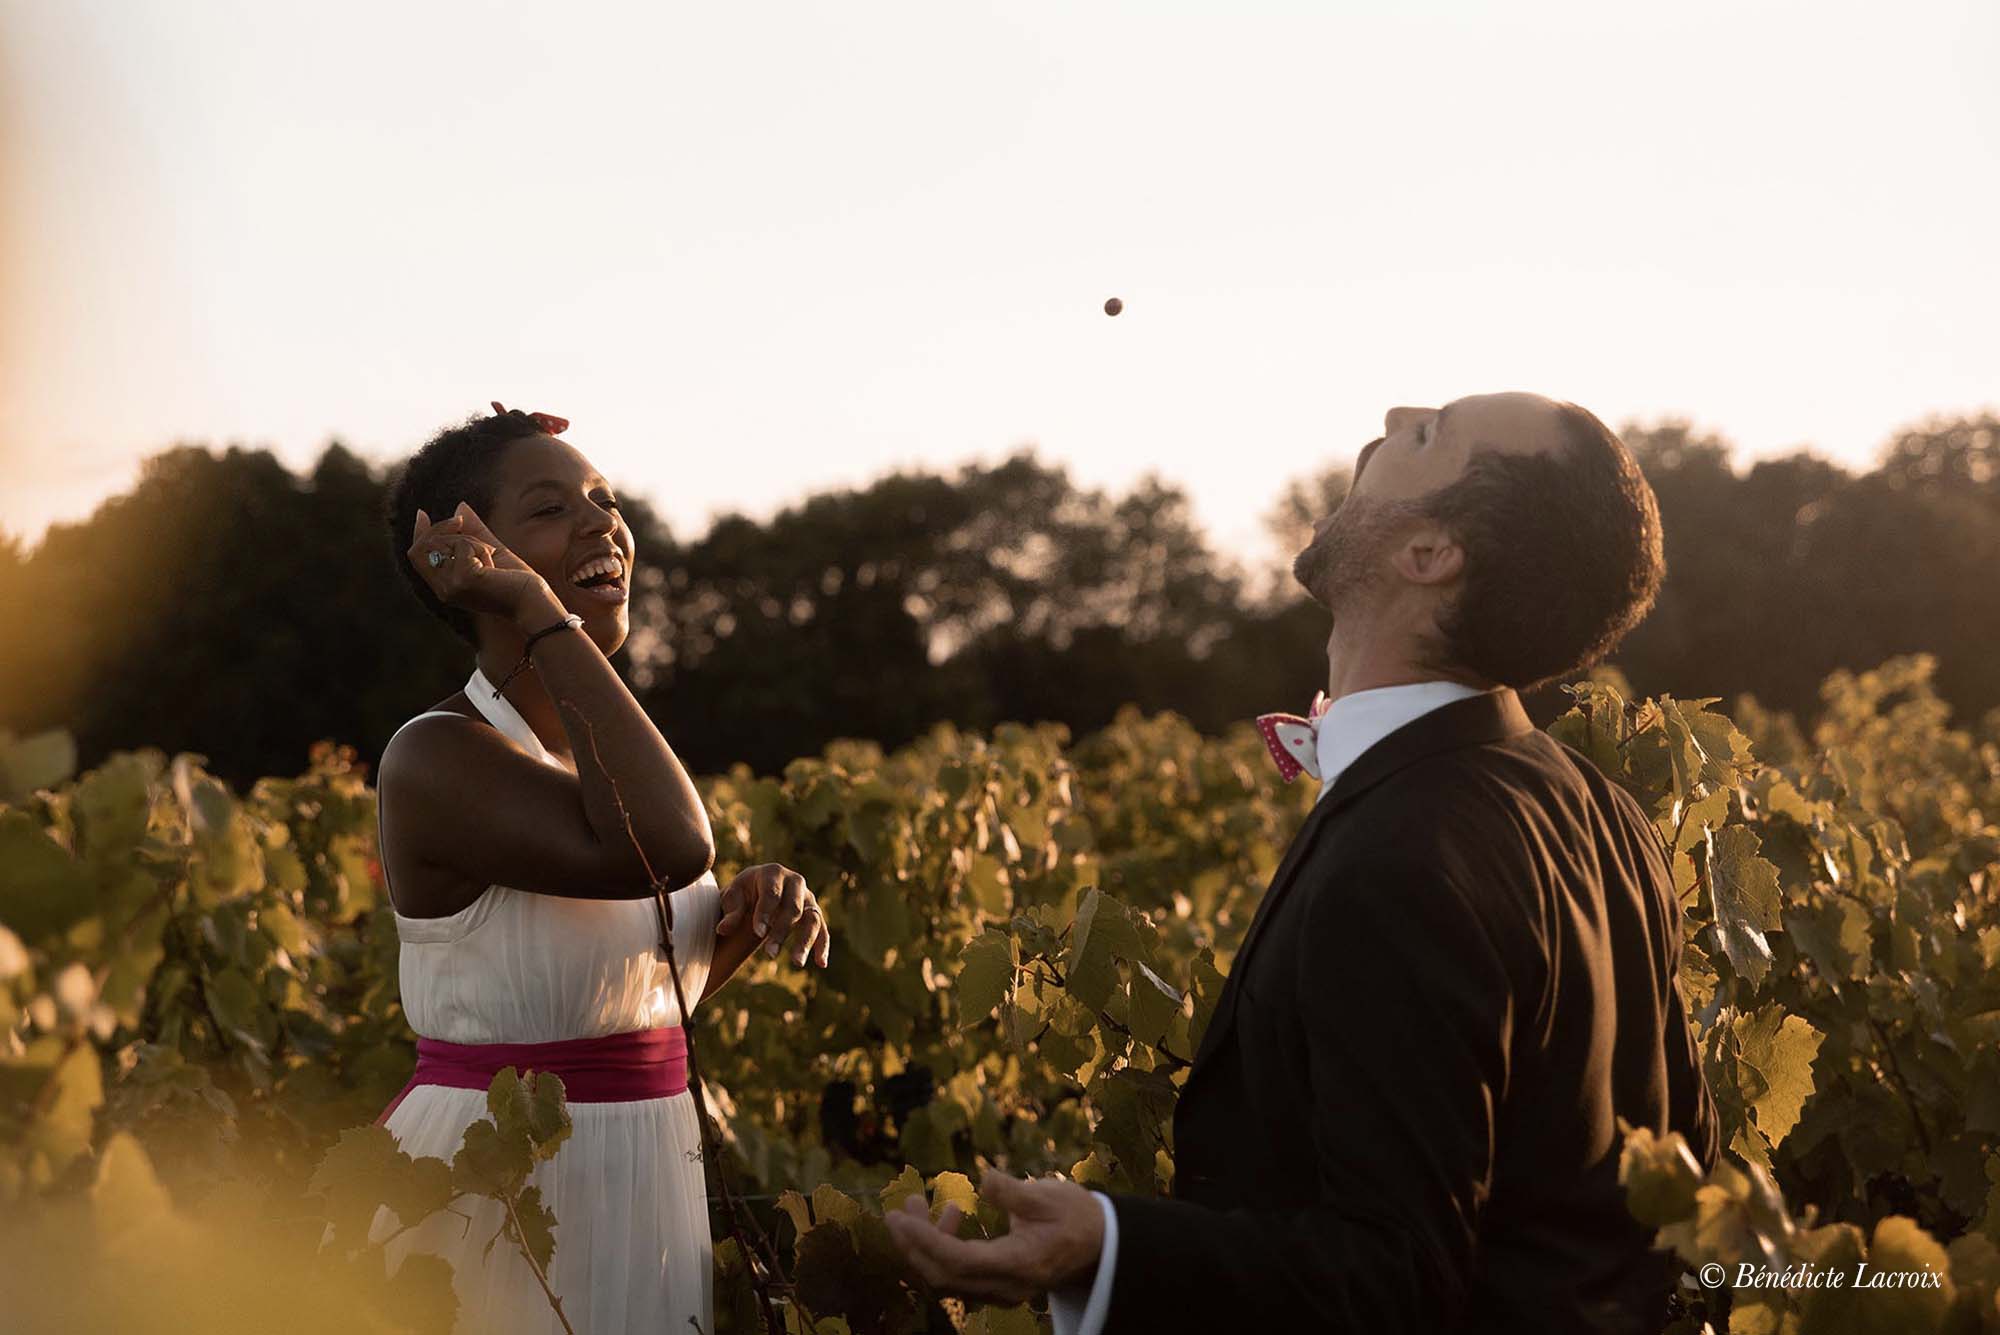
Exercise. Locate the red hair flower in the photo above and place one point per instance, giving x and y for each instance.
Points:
(548, 422)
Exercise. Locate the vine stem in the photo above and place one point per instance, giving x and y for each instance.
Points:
(763, 1252)
(521, 1240)
(1902, 1085)
(1178, 1062)
(1054, 975)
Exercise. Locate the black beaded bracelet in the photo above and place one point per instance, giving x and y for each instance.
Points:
(567, 623)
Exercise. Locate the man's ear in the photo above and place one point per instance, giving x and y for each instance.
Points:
(1429, 556)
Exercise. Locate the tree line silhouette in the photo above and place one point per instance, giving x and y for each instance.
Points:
(231, 607)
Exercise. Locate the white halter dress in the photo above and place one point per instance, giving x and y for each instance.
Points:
(627, 1188)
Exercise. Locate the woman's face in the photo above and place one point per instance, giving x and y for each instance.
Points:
(554, 511)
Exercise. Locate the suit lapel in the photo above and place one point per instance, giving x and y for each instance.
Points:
(1480, 719)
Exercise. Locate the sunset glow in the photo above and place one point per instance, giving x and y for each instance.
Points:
(756, 253)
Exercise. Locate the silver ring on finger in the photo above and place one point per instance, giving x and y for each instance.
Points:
(437, 559)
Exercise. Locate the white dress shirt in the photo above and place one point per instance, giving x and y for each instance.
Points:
(1351, 725)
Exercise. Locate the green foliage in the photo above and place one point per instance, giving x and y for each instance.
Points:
(203, 992)
(1757, 1268)
(198, 998)
(1002, 591)
(1843, 937)
(122, 1253)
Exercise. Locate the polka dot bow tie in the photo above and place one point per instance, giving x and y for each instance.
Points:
(1294, 741)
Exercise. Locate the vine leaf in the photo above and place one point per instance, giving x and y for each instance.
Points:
(43, 887)
(1701, 816)
(1775, 1060)
(1698, 976)
(63, 1130)
(1206, 983)
(955, 1189)
(352, 1180)
(1900, 1246)
(530, 1112)
(1132, 1106)
(986, 972)
(112, 803)
(1683, 750)
(31, 763)
(1835, 936)
(794, 1207)
(488, 1164)
(538, 1226)
(904, 1185)
(233, 1000)
(1003, 1321)
(1155, 1003)
(1744, 890)
(1104, 933)
(1660, 1175)
(832, 1205)
(1064, 1053)
(1724, 749)
(826, 1264)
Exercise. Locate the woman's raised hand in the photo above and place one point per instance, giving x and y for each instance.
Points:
(476, 571)
(777, 902)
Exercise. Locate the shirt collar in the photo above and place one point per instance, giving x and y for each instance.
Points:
(1357, 721)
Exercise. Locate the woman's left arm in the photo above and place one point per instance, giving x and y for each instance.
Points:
(763, 906)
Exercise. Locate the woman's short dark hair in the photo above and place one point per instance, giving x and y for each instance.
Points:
(1563, 556)
(458, 464)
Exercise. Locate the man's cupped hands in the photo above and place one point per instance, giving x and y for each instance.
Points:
(1055, 1233)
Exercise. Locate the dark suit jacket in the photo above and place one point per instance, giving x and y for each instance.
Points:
(1402, 1116)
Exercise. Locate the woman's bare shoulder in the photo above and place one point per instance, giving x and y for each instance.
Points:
(428, 737)
(420, 751)
(463, 802)
(458, 702)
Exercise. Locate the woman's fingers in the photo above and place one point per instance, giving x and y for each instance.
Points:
(466, 563)
(464, 522)
(428, 531)
(732, 918)
(421, 548)
(781, 907)
(468, 518)
(471, 522)
(461, 554)
(792, 899)
(743, 901)
(451, 525)
(811, 927)
(769, 885)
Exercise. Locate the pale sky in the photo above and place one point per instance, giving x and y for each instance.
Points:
(757, 250)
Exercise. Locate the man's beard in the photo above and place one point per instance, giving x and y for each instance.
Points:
(1345, 558)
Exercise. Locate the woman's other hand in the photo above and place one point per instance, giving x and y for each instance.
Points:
(475, 570)
(775, 903)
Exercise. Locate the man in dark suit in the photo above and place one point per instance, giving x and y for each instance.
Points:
(1403, 1115)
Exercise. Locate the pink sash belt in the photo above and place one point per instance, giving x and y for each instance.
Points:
(618, 1068)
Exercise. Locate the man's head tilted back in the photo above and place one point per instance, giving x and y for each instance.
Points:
(1510, 537)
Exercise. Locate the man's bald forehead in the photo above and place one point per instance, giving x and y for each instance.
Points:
(1516, 398)
(1515, 422)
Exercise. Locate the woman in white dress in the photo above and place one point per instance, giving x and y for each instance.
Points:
(513, 816)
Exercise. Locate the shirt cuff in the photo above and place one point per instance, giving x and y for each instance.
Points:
(1072, 1311)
